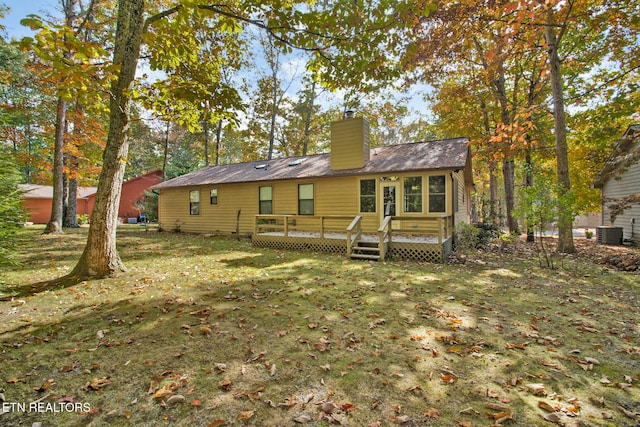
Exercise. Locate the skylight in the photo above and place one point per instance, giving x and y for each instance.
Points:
(261, 166)
(297, 162)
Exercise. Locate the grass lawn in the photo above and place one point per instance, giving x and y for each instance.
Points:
(207, 331)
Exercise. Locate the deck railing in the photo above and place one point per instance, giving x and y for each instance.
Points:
(306, 223)
(441, 226)
(402, 236)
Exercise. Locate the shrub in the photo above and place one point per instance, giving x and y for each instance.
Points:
(474, 236)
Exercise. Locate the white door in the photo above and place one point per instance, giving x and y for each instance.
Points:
(390, 198)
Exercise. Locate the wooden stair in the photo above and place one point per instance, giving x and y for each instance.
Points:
(366, 250)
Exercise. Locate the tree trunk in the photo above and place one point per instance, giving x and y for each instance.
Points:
(206, 142)
(165, 156)
(508, 174)
(274, 114)
(218, 141)
(493, 195)
(565, 215)
(55, 223)
(528, 182)
(307, 120)
(71, 216)
(100, 257)
(71, 208)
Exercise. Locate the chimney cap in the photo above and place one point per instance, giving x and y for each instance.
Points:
(349, 114)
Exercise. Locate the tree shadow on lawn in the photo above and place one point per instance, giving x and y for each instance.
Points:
(420, 340)
(134, 245)
(418, 336)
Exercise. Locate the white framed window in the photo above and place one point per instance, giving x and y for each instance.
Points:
(194, 202)
(413, 194)
(437, 194)
(305, 199)
(368, 195)
(265, 197)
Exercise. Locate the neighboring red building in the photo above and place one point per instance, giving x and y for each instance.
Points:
(38, 198)
(133, 192)
(37, 201)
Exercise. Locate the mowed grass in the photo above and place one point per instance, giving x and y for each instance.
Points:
(208, 331)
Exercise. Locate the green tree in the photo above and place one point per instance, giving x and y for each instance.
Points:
(12, 215)
(25, 114)
(362, 37)
(74, 66)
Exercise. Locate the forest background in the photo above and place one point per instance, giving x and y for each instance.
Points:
(542, 89)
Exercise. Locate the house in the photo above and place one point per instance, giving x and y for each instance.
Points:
(133, 193)
(357, 199)
(38, 199)
(619, 181)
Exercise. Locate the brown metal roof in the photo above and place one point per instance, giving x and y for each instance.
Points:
(445, 154)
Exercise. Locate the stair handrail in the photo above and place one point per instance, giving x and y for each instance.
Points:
(354, 232)
(384, 233)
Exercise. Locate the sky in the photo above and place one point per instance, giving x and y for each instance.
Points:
(19, 9)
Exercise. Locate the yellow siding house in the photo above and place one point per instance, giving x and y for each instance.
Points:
(363, 200)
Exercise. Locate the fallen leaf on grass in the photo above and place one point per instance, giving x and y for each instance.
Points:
(322, 345)
(96, 383)
(328, 407)
(347, 407)
(303, 418)
(196, 402)
(216, 423)
(15, 380)
(402, 419)
(432, 413)
(550, 364)
(499, 415)
(553, 418)
(627, 413)
(545, 406)
(245, 415)
(449, 379)
(226, 385)
(510, 346)
(45, 386)
(496, 407)
(176, 398)
(164, 391)
(537, 389)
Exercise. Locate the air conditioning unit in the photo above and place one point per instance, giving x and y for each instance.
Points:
(609, 235)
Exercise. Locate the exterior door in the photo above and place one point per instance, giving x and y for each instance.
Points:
(390, 198)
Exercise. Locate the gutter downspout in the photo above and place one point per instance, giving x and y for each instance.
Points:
(453, 212)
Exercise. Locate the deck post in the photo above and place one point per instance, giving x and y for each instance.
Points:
(322, 227)
(286, 226)
(255, 225)
(440, 230)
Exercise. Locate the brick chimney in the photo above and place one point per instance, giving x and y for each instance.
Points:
(349, 143)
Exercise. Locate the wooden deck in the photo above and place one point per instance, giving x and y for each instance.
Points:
(431, 242)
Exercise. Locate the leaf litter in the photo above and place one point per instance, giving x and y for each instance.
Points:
(261, 336)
